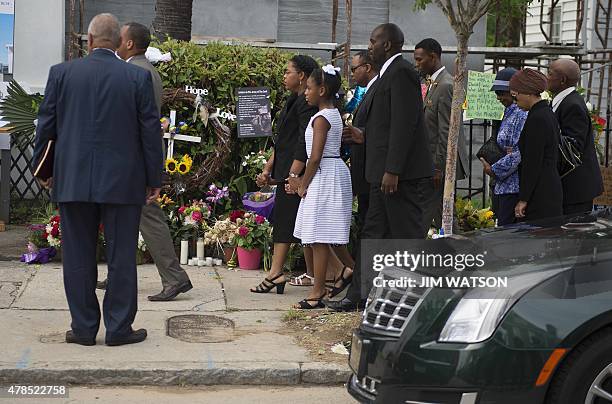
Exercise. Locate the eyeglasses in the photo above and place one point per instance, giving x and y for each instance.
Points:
(357, 67)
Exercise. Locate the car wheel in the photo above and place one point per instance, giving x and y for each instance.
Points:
(586, 374)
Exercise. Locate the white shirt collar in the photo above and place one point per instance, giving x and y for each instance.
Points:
(560, 97)
(436, 74)
(387, 63)
(370, 83)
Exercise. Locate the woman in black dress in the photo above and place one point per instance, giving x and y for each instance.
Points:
(540, 190)
(289, 147)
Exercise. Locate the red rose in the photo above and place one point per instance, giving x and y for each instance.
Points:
(236, 214)
(182, 210)
(243, 231)
(259, 219)
(601, 121)
(196, 215)
(54, 231)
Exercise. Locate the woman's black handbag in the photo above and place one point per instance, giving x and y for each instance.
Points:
(491, 151)
(569, 156)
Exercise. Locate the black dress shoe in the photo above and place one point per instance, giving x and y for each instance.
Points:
(345, 304)
(102, 284)
(73, 339)
(171, 292)
(132, 338)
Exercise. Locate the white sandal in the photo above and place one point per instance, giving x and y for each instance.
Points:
(299, 280)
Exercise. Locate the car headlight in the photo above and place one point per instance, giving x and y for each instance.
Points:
(474, 320)
(478, 313)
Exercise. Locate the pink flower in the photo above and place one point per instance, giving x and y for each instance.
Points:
(259, 219)
(243, 231)
(196, 215)
(182, 210)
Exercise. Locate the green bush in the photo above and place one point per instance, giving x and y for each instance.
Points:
(221, 69)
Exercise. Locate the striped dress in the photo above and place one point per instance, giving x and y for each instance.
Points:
(324, 215)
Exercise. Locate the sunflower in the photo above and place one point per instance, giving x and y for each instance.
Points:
(183, 168)
(187, 160)
(171, 165)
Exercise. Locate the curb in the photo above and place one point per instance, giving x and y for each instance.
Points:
(279, 373)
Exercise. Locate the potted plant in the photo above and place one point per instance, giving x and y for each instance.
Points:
(252, 236)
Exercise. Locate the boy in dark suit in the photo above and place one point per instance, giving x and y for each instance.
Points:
(583, 184)
(108, 162)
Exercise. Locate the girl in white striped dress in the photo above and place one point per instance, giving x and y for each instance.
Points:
(324, 215)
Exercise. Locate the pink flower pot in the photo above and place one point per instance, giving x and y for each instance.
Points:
(248, 259)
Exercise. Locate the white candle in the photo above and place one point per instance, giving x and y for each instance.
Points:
(184, 252)
(218, 262)
(201, 263)
(200, 249)
(209, 261)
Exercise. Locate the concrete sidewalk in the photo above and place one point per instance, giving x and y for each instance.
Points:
(34, 317)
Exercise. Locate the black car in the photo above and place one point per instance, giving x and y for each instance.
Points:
(548, 340)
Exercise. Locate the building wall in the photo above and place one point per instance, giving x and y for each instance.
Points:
(34, 20)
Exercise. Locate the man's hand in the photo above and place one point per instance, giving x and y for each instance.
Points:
(152, 195)
(293, 183)
(48, 184)
(520, 209)
(263, 179)
(487, 168)
(389, 183)
(437, 178)
(351, 134)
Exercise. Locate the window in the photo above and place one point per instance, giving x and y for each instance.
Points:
(555, 24)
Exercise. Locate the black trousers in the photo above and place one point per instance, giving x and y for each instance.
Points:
(79, 223)
(504, 209)
(578, 208)
(394, 216)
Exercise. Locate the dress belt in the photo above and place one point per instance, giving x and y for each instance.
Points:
(330, 157)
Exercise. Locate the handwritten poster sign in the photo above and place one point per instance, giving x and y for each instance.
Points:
(481, 102)
(606, 197)
(253, 112)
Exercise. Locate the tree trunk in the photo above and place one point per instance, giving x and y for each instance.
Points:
(453, 132)
(173, 19)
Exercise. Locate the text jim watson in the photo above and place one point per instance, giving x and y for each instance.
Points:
(444, 282)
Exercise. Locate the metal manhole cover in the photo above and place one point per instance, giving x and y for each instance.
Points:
(200, 328)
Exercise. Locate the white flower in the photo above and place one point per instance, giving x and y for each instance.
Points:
(589, 106)
(244, 163)
(545, 96)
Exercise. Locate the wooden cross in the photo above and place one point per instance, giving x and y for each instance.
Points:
(172, 137)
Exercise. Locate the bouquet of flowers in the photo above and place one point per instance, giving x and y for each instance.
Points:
(53, 234)
(470, 218)
(180, 166)
(221, 234)
(194, 215)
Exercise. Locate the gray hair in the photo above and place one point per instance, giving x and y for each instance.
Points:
(105, 28)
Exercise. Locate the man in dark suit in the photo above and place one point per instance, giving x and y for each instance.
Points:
(135, 39)
(108, 160)
(583, 184)
(398, 165)
(437, 110)
(364, 73)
